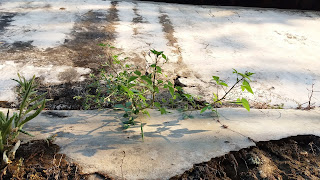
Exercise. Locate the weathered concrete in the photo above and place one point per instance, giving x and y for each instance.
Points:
(284, 4)
(280, 46)
(96, 140)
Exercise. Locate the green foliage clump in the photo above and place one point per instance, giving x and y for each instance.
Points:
(30, 106)
(124, 87)
(127, 88)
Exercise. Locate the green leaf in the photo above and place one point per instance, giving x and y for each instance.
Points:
(245, 104)
(125, 88)
(157, 105)
(127, 109)
(119, 106)
(25, 132)
(147, 79)
(135, 91)
(163, 110)
(128, 104)
(32, 115)
(245, 76)
(215, 98)
(246, 85)
(132, 78)
(156, 89)
(171, 89)
(222, 83)
(126, 126)
(216, 78)
(235, 71)
(33, 107)
(204, 109)
(158, 53)
(178, 88)
(142, 97)
(160, 81)
(137, 72)
(146, 112)
(249, 73)
(164, 57)
(102, 45)
(159, 69)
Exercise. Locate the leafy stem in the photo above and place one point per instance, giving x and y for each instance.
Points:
(225, 95)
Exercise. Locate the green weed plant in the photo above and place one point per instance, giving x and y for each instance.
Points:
(124, 87)
(30, 107)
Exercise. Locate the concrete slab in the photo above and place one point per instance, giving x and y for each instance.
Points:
(96, 140)
(278, 45)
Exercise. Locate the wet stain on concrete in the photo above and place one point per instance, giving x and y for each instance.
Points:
(168, 29)
(137, 19)
(112, 19)
(21, 45)
(80, 48)
(87, 34)
(5, 19)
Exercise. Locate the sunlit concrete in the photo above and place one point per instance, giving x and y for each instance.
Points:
(280, 46)
(97, 141)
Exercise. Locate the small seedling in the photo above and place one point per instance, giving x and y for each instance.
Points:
(309, 103)
(243, 78)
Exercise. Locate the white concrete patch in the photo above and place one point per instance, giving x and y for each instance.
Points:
(46, 24)
(49, 74)
(280, 46)
(96, 141)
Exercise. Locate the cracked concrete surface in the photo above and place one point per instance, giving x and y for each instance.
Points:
(57, 40)
(201, 41)
(96, 140)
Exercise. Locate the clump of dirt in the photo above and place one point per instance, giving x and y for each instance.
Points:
(295, 157)
(62, 96)
(40, 159)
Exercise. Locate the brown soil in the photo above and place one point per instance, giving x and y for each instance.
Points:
(40, 160)
(290, 158)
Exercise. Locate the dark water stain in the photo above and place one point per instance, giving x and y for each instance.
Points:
(112, 19)
(94, 28)
(137, 19)
(53, 114)
(5, 20)
(168, 29)
(21, 45)
(80, 48)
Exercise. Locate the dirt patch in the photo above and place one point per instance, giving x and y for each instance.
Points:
(62, 96)
(295, 157)
(80, 48)
(40, 160)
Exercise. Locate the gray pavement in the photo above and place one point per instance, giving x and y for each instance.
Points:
(96, 140)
